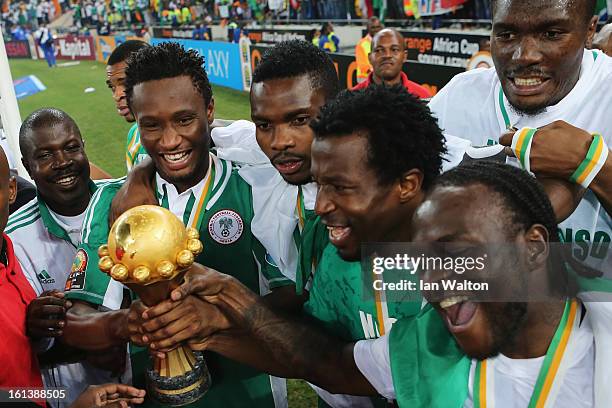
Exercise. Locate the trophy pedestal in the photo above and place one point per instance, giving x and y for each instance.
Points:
(179, 379)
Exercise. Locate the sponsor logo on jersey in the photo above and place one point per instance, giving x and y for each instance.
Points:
(45, 278)
(76, 280)
(225, 227)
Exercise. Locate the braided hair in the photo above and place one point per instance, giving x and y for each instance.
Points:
(528, 204)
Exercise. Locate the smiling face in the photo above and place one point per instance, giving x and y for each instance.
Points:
(59, 167)
(282, 110)
(351, 201)
(450, 215)
(388, 55)
(537, 48)
(115, 79)
(173, 120)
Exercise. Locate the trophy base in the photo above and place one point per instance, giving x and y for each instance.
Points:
(182, 389)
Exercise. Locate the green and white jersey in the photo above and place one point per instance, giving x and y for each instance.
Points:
(134, 151)
(45, 244)
(338, 301)
(473, 106)
(229, 247)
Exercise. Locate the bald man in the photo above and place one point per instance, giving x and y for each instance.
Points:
(603, 40)
(19, 366)
(387, 58)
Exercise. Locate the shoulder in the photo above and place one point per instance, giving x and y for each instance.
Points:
(96, 215)
(23, 218)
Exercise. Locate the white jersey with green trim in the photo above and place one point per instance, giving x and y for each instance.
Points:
(45, 244)
(510, 382)
(472, 106)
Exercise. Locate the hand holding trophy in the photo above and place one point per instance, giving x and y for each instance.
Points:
(149, 250)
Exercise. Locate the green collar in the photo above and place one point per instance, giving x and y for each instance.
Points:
(49, 222)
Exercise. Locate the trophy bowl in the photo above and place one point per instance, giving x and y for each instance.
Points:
(149, 250)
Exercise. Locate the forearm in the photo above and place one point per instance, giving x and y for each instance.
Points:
(89, 329)
(288, 347)
(602, 185)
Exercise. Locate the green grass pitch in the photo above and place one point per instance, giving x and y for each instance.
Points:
(105, 132)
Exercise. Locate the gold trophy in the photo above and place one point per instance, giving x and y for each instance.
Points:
(149, 250)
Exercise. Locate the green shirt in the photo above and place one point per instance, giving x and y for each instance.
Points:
(229, 247)
(337, 300)
(134, 150)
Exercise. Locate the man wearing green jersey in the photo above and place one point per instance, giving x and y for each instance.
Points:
(115, 79)
(45, 234)
(168, 91)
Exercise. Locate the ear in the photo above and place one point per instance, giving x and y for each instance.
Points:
(210, 111)
(405, 55)
(591, 31)
(12, 188)
(410, 185)
(537, 246)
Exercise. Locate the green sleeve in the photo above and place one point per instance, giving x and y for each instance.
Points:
(86, 281)
(313, 242)
(271, 273)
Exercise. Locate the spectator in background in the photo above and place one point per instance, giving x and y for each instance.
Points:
(44, 38)
(200, 33)
(329, 41)
(387, 59)
(18, 33)
(603, 40)
(315, 36)
(363, 48)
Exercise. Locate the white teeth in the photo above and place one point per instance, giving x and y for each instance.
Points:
(66, 180)
(527, 81)
(336, 232)
(453, 300)
(175, 156)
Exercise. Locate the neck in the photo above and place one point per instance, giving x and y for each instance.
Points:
(536, 334)
(199, 175)
(389, 82)
(74, 207)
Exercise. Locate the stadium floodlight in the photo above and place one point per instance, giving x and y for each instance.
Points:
(9, 109)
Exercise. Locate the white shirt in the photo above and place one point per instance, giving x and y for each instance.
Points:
(45, 244)
(469, 107)
(513, 379)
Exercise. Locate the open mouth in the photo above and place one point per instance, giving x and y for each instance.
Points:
(288, 166)
(528, 85)
(176, 160)
(66, 181)
(338, 234)
(458, 312)
(123, 110)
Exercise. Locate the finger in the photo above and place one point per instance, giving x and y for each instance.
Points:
(48, 301)
(46, 324)
(160, 309)
(167, 331)
(198, 280)
(51, 310)
(175, 340)
(506, 138)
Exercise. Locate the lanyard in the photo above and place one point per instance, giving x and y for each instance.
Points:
(300, 208)
(202, 202)
(549, 368)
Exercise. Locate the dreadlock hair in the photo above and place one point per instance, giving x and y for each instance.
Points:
(290, 59)
(125, 50)
(525, 199)
(401, 132)
(166, 60)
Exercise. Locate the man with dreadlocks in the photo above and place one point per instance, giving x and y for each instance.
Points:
(544, 75)
(544, 350)
(169, 94)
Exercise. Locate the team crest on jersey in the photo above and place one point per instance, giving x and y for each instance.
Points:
(76, 280)
(225, 227)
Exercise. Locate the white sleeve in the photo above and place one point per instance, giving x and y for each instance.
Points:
(372, 359)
